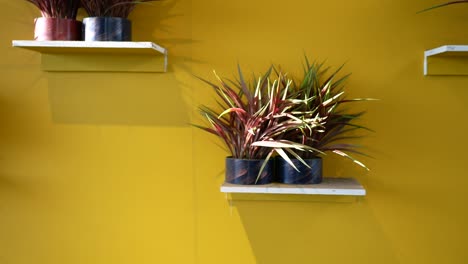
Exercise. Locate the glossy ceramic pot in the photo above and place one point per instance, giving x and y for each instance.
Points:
(46, 28)
(246, 172)
(107, 29)
(285, 173)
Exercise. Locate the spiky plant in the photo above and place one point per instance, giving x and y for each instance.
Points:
(57, 8)
(253, 119)
(111, 8)
(324, 99)
(444, 4)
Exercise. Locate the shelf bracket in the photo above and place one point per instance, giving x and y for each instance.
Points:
(446, 60)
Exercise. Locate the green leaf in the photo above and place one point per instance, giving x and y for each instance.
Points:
(332, 99)
(276, 144)
(285, 157)
(294, 154)
(263, 166)
(442, 5)
(358, 100)
(235, 110)
(343, 154)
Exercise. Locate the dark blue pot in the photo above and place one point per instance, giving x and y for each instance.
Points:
(107, 29)
(243, 171)
(285, 173)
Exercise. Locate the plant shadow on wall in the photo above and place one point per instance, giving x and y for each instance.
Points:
(140, 99)
(13, 186)
(170, 25)
(118, 99)
(13, 189)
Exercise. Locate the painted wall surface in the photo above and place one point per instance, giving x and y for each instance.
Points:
(105, 168)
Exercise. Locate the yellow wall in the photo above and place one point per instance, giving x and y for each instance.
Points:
(107, 169)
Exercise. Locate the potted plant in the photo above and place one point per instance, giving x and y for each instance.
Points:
(108, 19)
(251, 122)
(324, 97)
(58, 21)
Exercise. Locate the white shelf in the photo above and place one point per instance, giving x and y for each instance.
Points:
(127, 47)
(444, 51)
(147, 56)
(329, 186)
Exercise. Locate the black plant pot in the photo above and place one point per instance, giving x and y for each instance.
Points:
(285, 173)
(107, 29)
(243, 171)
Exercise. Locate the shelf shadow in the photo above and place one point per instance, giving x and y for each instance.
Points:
(135, 99)
(303, 233)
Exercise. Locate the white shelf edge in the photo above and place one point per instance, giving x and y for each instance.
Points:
(88, 44)
(442, 50)
(83, 45)
(329, 186)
